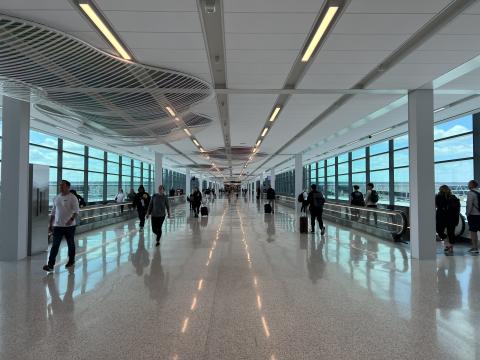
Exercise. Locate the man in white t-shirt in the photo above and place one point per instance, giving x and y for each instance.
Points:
(62, 223)
(120, 198)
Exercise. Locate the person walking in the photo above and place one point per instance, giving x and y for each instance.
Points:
(356, 199)
(131, 198)
(62, 224)
(141, 202)
(196, 200)
(271, 197)
(316, 200)
(159, 206)
(447, 215)
(473, 214)
(371, 200)
(120, 198)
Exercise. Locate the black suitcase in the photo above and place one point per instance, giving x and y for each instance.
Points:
(204, 211)
(268, 209)
(303, 224)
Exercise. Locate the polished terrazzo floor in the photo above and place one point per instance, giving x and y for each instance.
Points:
(240, 285)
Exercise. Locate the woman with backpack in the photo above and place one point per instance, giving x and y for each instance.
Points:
(447, 215)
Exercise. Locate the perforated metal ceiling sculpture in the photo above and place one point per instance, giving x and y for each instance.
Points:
(123, 100)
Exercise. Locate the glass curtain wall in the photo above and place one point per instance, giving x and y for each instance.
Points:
(386, 164)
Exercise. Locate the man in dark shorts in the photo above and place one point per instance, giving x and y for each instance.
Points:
(473, 214)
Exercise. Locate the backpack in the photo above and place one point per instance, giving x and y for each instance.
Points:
(318, 200)
(300, 198)
(357, 198)
(374, 196)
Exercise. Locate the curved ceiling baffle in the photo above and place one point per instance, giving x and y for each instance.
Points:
(101, 94)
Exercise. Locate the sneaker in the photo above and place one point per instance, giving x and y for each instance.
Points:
(69, 264)
(158, 243)
(323, 231)
(48, 268)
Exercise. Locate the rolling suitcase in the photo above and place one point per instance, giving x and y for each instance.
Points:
(268, 209)
(303, 224)
(204, 211)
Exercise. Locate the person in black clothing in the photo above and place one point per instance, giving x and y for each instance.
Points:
(141, 202)
(447, 216)
(172, 192)
(81, 200)
(356, 199)
(271, 198)
(316, 200)
(196, 200)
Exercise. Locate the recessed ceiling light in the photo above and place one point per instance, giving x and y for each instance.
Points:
(196, 142)
(274, 114)
(201, 150)
(93, 16)
(187, 132)
(176, 118)
(264, 132)
(170, 111)
(254, 150)
(440, 109)
(322, 28)
(258, 143)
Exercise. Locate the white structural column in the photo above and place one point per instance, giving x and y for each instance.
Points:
(422, 178)
(15, 180)
(298, 179)
(188, 182)
(272, 177)
(158, 171)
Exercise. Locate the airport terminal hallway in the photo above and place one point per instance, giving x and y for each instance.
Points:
(239, 284)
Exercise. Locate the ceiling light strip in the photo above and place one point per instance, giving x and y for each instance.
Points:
(274, 114)
(321, 30)
(103, 28)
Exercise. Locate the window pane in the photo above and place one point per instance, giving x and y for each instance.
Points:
(330, 170)
(126, 183)
(136, 183)
(73, 147)
(76, 179)
(381, 181)
(400, 142)
(72, 161)
(359, 153)
(331, 161)
(343, 189)
(42, 156)
(402, 191)
(379, 148)
(112, 157)
(126, 160)
(95, 165)
(97, 153)
(379, 162)
(454, 127)
(112, 168)
(136, 163)
(330, 193)
(95, 187)
(400, 158)
(343, 168)
(359, 179)
(358, 165)
(52, 184)
(136, 172)
(42, 139)
(456, 175)
(112, 186)
(456, 148)
(343, 157)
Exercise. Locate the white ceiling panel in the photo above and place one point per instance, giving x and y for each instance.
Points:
(35, 5)
(268, 23)
(92, 38)
(261, 68)
(148, 5)
(247, 116)
(329, 81)
(63, 20)
(348, 57)
(463, 25)
(391, 7)
(181, 55)
(155, 22)
(385, 24)
(165, 41)
(262, 56)
(255, 81)
(235, 41)
(354, 42)
(452, 43)
(272, 6)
